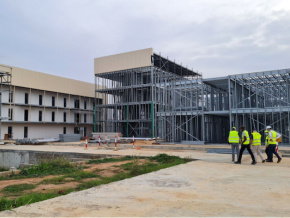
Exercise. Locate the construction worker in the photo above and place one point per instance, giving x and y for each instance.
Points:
(272, 136)
(267, 145)
(234, 141)
(255, 143)
(245, 145)
(278, 139)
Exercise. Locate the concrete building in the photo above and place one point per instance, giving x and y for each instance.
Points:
(152, 96)
(39, 105)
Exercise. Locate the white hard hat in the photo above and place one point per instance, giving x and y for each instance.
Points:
(268, 127)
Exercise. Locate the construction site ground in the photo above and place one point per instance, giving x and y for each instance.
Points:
(211, 186)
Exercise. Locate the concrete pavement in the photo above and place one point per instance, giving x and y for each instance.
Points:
(211, 186)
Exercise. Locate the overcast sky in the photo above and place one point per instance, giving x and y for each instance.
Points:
(215, 37)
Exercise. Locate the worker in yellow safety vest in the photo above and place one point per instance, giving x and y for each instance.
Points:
(272, 136)
(245, 145)
(256, 145)
(234, 141)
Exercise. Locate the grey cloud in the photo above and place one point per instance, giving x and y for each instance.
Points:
(219, 37)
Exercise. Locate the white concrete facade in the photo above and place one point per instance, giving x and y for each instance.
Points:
(36, 113)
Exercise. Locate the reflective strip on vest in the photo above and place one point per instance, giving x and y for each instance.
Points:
(256, 138)
(274, 136)
(234, 137)
(247, 136)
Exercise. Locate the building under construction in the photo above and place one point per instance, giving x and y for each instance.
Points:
(147, 95)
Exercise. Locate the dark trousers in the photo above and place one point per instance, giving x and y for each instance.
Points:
(267, 152)
(242, 151)
(272, 150)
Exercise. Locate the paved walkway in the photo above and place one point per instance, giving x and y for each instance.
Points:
(211, 186)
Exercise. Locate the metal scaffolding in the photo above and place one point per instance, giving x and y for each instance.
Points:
(171, 103)
(133, 97)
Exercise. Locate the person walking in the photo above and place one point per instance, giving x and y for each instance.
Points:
(245, 145)
(234, 141)
(255, 143)
(272, 137)
(267, 145)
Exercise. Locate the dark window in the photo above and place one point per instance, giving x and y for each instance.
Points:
(10, 97)
(10, 114)
(25, 132)
(64, 117)
(85, 118)
(77, 103)
(77, 118)
(85, 131)
(9, 132)
(25, 115)
(40, 99)
(64, 130)
(64, 102)
(53, 101)
(40, 116)
(76, 130)
(85, 104)
(26, 98)
(52, 116)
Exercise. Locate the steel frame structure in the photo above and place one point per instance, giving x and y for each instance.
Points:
(171, 103)
(133, 97)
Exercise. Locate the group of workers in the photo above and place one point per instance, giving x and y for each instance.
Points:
(253, 144)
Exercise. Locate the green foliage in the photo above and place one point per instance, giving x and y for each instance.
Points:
(110, 160)
(18, 188)
(2, 169)
(78, 175)
(57, 166)
(54, 180)
(6, 204)
(165, 158)
(62, 167)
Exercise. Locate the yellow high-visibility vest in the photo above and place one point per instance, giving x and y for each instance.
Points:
(234, 137)
(274, 137)
(247, 136)
(256, 138)
(267, 141)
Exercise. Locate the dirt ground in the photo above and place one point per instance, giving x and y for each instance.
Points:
(211, 186)
(102, 169)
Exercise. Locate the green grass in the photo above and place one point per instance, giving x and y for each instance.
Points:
(64, 168)
(79, 175)
(6, 204)
(18, 188)
(58, 166)
(110, 160)
(3, 169)
(54, 180)
(135, 168)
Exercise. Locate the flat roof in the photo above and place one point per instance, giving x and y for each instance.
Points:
(138, 59)
(42, 81)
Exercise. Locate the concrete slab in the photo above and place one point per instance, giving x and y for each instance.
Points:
(212, 186)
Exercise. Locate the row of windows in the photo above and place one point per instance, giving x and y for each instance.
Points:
(76, 131)
(77, 116)
(26, 100)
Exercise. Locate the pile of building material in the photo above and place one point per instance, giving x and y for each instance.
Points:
(69, 137)
(35, 141)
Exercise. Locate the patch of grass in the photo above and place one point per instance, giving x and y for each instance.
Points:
(2, 169)
(81, 175)
(166, 159)
(110, 160)
(6, 204)
(135, 168)
(58, 166)
(18, 188)
(63, 167)
(54, 180)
